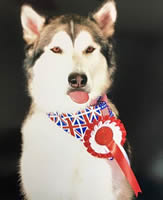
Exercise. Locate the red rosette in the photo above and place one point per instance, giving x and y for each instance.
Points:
(105, 130)
(104, 139)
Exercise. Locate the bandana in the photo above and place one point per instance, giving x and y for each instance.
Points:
(102, 134)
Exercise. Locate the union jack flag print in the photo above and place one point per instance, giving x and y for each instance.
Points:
(77, 124)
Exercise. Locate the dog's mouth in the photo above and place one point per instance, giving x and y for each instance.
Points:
(79, 96)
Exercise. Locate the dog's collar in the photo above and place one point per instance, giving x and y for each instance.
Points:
(101, 132)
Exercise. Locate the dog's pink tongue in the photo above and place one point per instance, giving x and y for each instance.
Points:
(79, 97)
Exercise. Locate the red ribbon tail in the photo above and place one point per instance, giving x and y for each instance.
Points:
(118, 155)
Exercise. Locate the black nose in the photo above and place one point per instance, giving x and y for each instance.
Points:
(77, 80)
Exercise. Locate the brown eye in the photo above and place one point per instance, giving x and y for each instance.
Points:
(90, 49)
(56, 50)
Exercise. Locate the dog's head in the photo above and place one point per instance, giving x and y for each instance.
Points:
(69, 60)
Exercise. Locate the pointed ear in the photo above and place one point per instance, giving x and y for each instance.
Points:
(32, 24)
(106, 17)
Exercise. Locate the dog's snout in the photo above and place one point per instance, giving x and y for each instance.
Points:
(77, 80)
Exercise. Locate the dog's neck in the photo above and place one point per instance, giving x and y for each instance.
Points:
(77, 123)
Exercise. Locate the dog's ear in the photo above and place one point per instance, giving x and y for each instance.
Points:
(106, 16)
(32, 23)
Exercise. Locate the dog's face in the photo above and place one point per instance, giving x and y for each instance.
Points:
(69, 60)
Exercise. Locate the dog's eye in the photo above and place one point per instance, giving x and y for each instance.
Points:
(90, 49)
(56, 50)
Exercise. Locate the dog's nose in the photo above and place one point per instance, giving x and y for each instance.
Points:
(77, 80)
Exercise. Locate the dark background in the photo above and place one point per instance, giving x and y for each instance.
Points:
(136, 92)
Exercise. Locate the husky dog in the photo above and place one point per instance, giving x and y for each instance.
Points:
(69, 63)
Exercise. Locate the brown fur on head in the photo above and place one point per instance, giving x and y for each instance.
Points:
(33, 23)
(98, 29)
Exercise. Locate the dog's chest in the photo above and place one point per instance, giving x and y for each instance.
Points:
(57, 164)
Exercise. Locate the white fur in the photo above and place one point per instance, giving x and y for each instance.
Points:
(50, 74)
(54, 165)
(72, 27)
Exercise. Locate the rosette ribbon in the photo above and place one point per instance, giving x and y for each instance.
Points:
(105, 138)
(102, 134)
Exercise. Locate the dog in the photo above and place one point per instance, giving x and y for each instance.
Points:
(69, 63)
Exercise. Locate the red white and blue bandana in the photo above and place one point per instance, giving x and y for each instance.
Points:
(77, 124)
(102, 134)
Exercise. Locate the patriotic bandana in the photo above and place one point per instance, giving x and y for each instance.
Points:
(102, 134)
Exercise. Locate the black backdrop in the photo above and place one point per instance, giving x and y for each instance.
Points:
(136, 91)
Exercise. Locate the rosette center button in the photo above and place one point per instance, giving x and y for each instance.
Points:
(104, 136)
